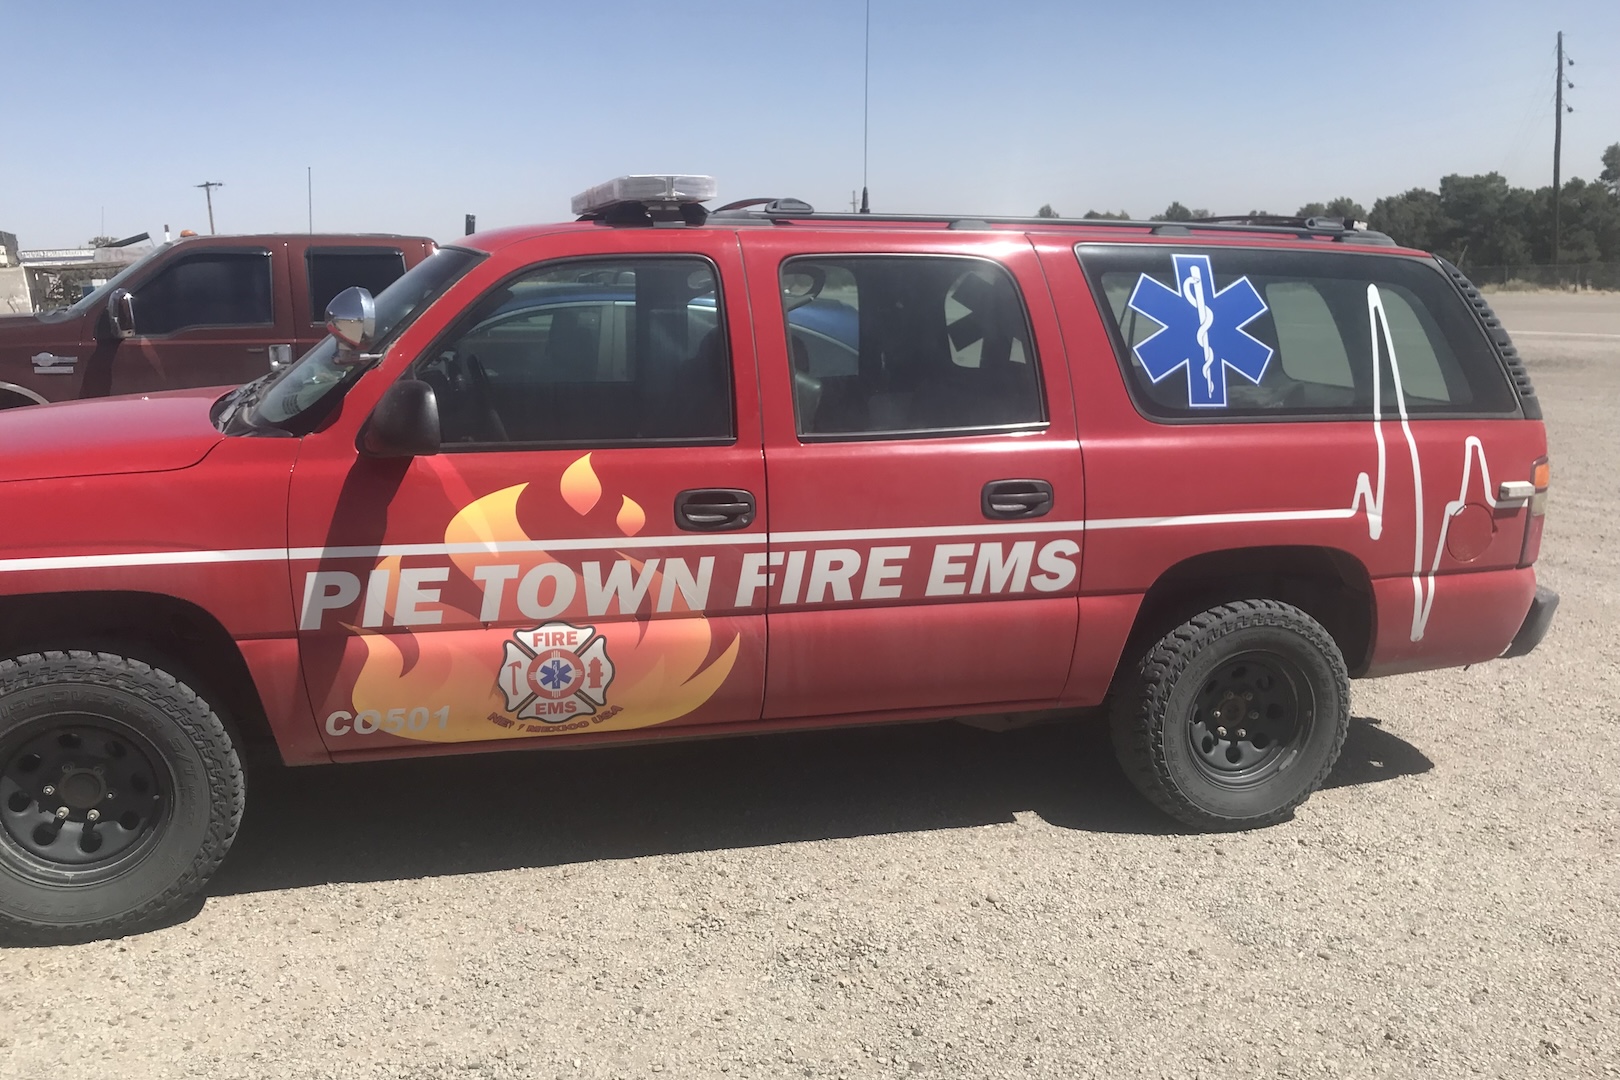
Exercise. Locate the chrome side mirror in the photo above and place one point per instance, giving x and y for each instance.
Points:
(121, 313)
(351, 317)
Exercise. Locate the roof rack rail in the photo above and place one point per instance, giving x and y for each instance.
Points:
(784, 211)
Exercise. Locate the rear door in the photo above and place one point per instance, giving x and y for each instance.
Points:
(925, 476)
(568, 563)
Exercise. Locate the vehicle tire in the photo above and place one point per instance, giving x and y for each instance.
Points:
(120, 792)
(1233, 718)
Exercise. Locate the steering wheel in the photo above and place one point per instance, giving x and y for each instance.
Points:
(482, 397)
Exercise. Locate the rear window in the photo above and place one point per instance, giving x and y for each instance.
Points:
(332, 271)
(1217, 333)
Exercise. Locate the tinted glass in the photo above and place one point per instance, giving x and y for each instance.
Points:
(299, 396)
(589, 353)
(206, 289)
(330, 272)
(1233, 333)
(884, 346)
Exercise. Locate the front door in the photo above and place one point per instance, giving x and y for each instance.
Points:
(203, 319)
(567, 565)
(925, 477)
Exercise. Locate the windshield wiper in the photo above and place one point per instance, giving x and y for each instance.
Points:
(233, 416)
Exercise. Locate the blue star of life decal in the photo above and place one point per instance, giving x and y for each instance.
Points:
(1201, 329)
(555, 675)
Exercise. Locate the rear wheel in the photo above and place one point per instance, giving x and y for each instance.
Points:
(1235, 717)
(120, 792)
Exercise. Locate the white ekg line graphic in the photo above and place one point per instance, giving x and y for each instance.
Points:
(1423, 584)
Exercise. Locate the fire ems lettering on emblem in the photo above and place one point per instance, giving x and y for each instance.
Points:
(555, 673)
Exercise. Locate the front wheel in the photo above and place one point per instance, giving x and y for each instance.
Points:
(120, 792)
(1235, 717)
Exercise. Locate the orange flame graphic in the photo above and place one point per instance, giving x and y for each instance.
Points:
(660, 671)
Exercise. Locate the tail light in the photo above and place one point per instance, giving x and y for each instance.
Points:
(1541, 477)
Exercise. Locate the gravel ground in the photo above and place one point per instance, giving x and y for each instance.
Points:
(929, 901)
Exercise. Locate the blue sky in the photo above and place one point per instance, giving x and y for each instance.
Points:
(413, 114)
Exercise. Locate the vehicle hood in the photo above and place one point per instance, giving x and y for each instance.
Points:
(108, 436)
(17, 328)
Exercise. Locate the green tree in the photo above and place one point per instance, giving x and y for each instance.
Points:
(101, 241)
(1488, 220)
(1414, 218)
(1590, 215)
(1176, 212)
(1046, 211)
(1346, 207)
(1106, 215)
(1342, 207)
(1611, 168)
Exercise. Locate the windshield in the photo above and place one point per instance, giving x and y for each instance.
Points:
(90, 299)
(289, 401)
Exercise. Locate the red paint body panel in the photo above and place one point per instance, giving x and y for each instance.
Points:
(158, 433)
(274, 665)
(1482, 613)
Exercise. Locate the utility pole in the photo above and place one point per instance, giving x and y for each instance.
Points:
(208, 187)
(1559, 109)
(1558, 141)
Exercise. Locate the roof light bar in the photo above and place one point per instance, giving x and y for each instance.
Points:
(663, 190)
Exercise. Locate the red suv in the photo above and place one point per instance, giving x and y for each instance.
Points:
(667, 472)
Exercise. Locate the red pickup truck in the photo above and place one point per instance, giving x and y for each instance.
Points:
(201, 311)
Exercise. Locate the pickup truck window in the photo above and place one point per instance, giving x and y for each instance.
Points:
(588, 353)
(331, 270)
(210, 288)
(908, 346)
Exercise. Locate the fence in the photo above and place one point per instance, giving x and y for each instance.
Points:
(1569, 276)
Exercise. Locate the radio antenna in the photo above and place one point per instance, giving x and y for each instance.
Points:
(866, 110)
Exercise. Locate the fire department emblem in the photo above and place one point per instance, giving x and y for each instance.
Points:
(555, 673)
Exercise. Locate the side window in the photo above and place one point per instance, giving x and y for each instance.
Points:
(1422, 368)
(1234, 333)
(1308, 343)
(886, 346)
(588, 353)
(213, 288)
(333, 270)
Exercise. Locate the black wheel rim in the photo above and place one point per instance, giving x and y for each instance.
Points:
(82, 798)
(1252, 715)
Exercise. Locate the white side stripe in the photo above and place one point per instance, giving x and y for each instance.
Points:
(243, 555)
(144, 558)
(1241, 518)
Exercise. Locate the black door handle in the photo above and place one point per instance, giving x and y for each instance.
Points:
(1016, 498)
(714, 509)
